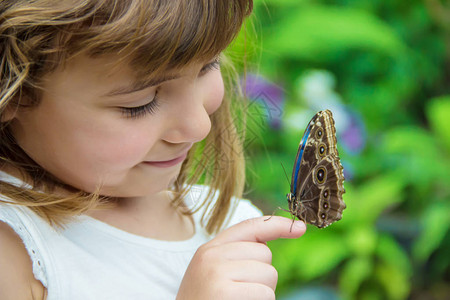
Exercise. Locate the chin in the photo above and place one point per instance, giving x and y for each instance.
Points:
(137, 191)
(137, 186)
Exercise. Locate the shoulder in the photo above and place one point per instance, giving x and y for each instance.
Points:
(16, 272)
(240, 209)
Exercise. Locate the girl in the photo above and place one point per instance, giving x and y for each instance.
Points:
(111, 112)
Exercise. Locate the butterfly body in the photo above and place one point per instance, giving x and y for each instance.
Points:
(317, 179)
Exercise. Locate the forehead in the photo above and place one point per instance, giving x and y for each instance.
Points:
(107, 75)
(110, 66)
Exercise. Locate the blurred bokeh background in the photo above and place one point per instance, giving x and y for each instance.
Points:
(383, 68)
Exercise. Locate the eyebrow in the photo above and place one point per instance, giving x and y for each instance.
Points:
(139, 86)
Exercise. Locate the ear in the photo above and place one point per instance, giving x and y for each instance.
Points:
(8, 113)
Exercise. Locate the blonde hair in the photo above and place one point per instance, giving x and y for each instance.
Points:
(152, 36)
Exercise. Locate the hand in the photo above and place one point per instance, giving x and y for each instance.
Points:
(236, 264)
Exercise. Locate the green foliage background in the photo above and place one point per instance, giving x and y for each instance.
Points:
(390, 60)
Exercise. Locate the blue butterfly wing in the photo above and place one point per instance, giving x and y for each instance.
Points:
(301, 148)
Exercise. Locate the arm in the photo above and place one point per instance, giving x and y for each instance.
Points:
(17, 281)
(236, 264)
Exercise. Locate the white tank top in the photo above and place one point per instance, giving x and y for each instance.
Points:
(90, 259)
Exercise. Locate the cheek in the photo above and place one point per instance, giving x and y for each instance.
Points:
(124, 147)
(215, 94)
(110, 154)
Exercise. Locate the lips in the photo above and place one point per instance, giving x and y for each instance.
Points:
(171, 162)
(167, 163)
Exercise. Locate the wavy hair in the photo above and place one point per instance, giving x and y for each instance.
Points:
(152, 36)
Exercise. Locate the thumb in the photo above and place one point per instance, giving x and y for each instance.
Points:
(262, 230)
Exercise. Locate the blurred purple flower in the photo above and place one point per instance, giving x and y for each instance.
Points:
(268, 95)
(349, 171)
(353, 138)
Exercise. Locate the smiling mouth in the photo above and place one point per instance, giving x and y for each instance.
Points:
(167, 163)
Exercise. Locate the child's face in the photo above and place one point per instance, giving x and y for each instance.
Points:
(81, 133)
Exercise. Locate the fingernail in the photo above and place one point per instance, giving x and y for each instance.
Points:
(300, 225)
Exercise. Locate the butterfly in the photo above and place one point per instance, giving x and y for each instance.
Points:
(317, 182)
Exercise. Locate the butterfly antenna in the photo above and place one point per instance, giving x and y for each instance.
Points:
(287, 178)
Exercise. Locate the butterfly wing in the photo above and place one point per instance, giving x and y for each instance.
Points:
(299, 158)
(317, 179)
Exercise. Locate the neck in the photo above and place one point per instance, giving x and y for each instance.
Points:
(152, 216)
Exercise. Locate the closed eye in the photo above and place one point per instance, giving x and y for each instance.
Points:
(140, 111)
(214, 65)
(152, 106)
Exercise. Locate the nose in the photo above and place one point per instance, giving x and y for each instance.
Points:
(189, 122)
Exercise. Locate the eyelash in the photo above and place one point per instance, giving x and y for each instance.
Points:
(214, 65)
(140, 111)
(152, 106)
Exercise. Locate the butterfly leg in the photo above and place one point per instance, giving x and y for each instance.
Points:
(273, 214)
(293, 220)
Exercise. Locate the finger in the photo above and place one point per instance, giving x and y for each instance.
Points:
(252, 271)
(258, 230)
(252, 291)
(246, 251)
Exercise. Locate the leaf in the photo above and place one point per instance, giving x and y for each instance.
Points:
(390, 252)
(396, 282)
(369, 200)
(414, 153)
(317, 32)
(362, 240)
(354, 273)
(401, 139)
(310, 256)
(435, 224)
(317, 259)
(438, 113)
